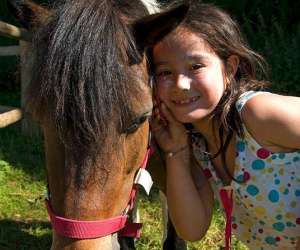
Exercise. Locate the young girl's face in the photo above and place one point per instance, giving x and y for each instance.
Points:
(189, 76)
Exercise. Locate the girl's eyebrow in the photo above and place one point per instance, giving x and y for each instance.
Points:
(190, 57)
(193, 57)
(197, 57)
(160, 63)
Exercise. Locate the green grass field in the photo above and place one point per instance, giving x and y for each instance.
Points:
(24, 222)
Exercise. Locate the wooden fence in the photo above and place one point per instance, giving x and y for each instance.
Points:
(10, 115)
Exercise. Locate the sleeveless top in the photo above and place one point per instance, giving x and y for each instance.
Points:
(266, 205)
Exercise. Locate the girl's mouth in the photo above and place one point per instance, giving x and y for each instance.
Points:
(186, 101)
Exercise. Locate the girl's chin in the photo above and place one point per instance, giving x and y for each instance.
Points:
(189, 118)
(190, 113)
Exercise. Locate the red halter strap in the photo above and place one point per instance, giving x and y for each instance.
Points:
(96, 229)
(84, 229)
(226, 195)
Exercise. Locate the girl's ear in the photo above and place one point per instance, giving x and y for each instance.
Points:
(28, 13)
(232, 64)
(151, 29)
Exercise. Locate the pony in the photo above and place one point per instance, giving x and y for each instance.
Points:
(91, 95)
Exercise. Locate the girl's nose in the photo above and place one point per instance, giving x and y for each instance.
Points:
(183, 82)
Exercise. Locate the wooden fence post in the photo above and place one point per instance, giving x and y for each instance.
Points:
(9, 115)
(9, 50)
(12, 31)
(26, 63)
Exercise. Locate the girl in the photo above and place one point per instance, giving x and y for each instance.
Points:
(223, 136)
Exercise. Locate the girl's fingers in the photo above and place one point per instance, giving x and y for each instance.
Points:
(169, 116)
(156, 123)
(176, 128)
(158, 128)
(167, 131)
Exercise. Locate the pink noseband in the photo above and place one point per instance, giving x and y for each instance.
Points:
(96, 229)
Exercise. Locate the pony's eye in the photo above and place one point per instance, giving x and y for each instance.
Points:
(132, 128)
(136, 124)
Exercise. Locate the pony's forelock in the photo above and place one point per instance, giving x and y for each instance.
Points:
(83, 81)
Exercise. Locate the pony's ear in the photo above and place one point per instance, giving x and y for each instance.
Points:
(28, 13)
(151, 29)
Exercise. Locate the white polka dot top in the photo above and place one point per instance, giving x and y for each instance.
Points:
(266, 213)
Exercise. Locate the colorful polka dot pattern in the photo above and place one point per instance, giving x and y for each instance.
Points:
(266, 213)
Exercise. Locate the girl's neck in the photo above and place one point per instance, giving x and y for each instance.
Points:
(210, 131)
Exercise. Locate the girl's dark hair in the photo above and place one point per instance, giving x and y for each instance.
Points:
(223, 35)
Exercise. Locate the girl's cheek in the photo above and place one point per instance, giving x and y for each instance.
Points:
(165, 80)
(162, 91)
(203, 82)
(202, 78)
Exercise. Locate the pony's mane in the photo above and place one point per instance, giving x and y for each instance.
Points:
(83, 82)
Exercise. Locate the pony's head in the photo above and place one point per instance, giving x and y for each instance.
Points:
(90, 92)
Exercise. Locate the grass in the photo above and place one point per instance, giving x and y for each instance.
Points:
(24, 222)
(23, 219)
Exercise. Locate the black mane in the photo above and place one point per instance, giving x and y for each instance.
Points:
(82, 80)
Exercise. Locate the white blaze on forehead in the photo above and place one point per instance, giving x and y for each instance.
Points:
(152, 6)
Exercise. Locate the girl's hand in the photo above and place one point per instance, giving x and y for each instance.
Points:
(170, 134)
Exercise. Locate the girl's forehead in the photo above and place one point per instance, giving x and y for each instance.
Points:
(184, 42)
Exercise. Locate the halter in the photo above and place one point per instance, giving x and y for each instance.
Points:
(78, 229)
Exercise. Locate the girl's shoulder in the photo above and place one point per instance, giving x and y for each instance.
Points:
(245, 97)
(270, 117)
(266, 104)
(251, 106)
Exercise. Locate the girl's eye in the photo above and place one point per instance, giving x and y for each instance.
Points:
(163, 73)
(196, 66)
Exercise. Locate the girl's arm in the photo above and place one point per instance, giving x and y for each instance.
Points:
(274, 121)
(189, 196)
